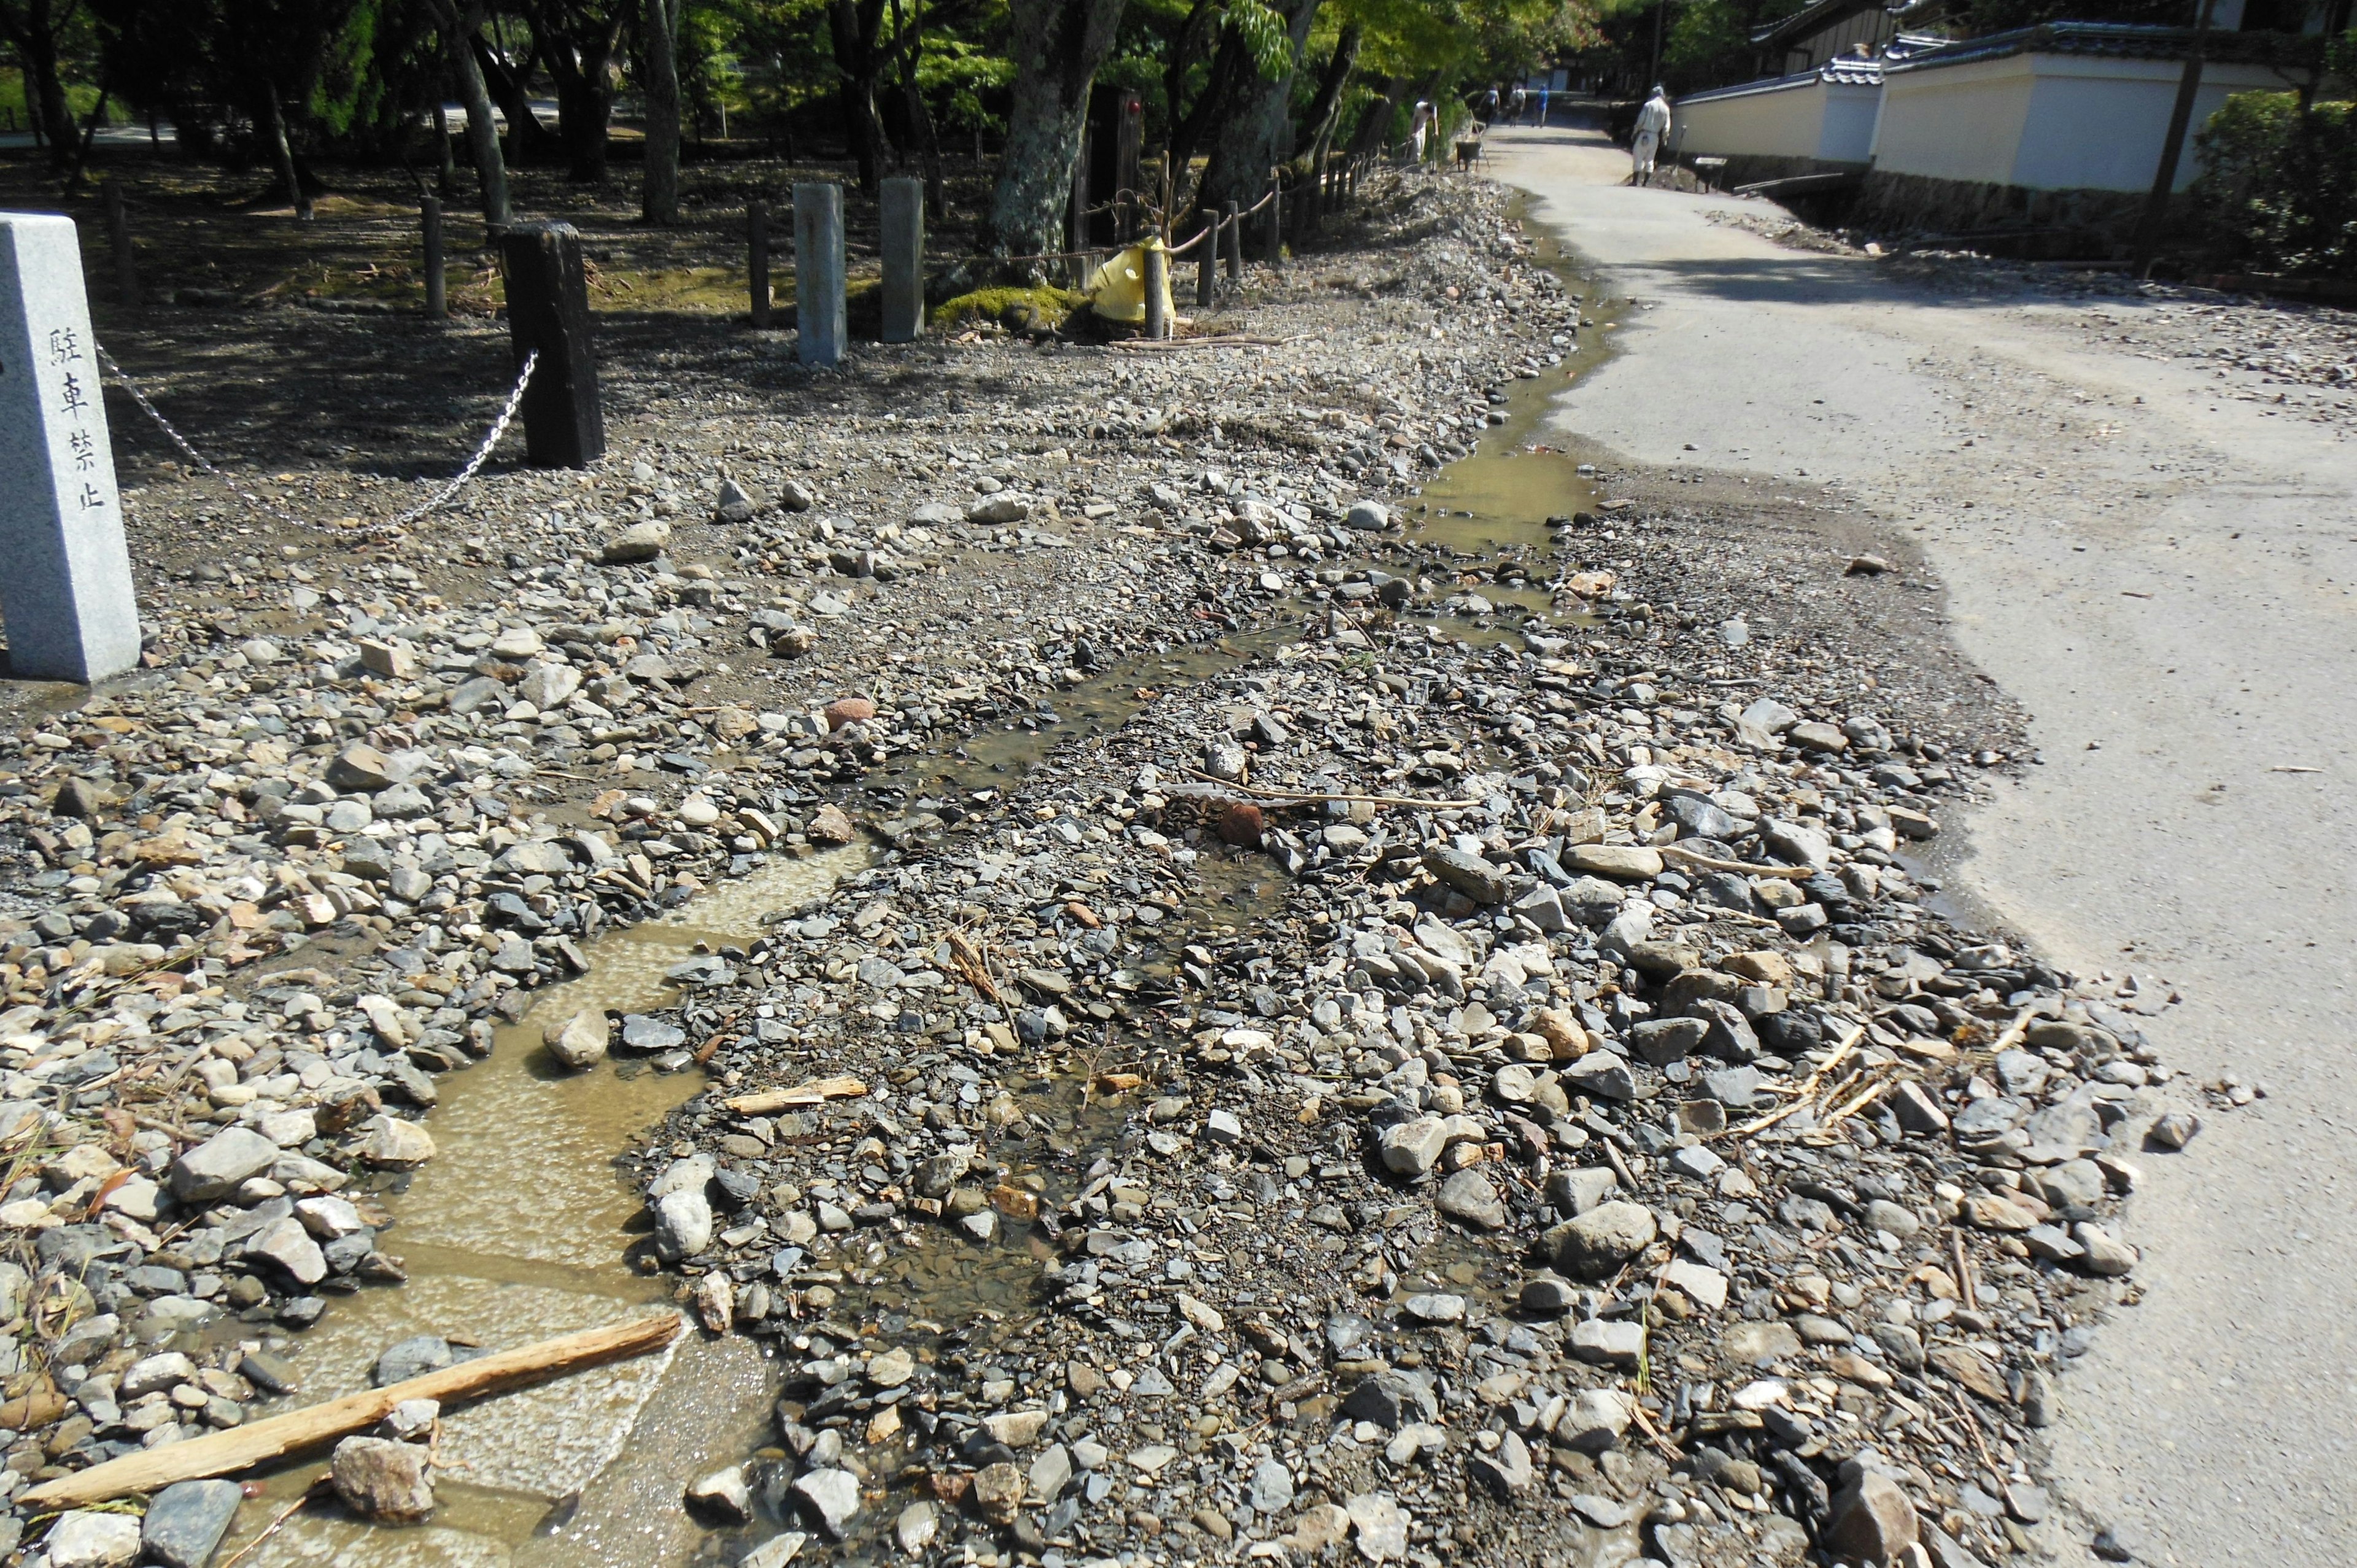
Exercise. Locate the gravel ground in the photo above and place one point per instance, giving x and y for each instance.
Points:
(1224, 1167)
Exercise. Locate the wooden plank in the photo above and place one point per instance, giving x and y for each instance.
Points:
(280, 1436)
(815, 1093)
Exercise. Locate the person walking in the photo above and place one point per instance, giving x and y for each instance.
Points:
(1653, 124)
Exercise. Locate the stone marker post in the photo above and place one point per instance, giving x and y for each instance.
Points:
(548, 309)
(756, 248)
(818, 273)
(1157, 286)
(66, 590)
(118, 237)
(904, 259)
(437, 296)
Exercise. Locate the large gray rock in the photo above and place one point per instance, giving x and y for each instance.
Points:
(1476, 878)
(1392, 1399)
(1468, 1196)
(1871, 1521)
(214, 1168)
(640, 542)
(1594, 1245)
(1411, 1148)
(88, 1539)
(289, 1251)
(579, 1041)
(683, 1225)
(832, 1497)
(381, 1479)
(184, 1523)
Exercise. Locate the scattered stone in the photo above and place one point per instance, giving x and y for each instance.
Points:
(383, 1480)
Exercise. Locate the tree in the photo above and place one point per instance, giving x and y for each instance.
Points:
(576, 41)
(855, 24)
(1057, 47)
(37, 30)
(458, 30)
(659, 191)
(1257, 132)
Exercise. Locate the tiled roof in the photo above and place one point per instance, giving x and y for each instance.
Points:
(2122, 41)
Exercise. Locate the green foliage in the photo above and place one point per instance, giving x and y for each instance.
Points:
(1015, 308)
(2278, 184)
(1261, 28)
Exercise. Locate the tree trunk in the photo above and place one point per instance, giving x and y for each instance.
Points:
(89, 134)
(1057, 46)
(1230, 66)
(1189, 42)
(38, 48)
(282, 152)
(528, 139)
(577, 61)
(446, 170)
(1375, 123)
(1258, 131)
(482, 133)
(1326, 106)
(659, 191)
(855, 24)
(920, 119)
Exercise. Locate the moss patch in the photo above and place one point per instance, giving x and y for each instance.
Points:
(1017, 309)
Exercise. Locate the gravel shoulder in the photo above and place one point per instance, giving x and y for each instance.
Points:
(2137, 506)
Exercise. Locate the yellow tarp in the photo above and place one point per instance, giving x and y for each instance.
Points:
(1117, 290)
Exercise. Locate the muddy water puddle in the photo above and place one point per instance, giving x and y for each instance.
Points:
(516, 1231)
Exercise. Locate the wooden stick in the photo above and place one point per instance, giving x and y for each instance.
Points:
(1964, 1270)
(1313, 797)
(1740, 868)
(2015, 1030)
(243, 1447)
(289, 1511)
(815, 1093)
(1807, 1093)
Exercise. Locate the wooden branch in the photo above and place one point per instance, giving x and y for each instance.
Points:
(815, 1093)
(278, 1436)
(1740, 868)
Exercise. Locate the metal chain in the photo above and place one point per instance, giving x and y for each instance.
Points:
(474, 464)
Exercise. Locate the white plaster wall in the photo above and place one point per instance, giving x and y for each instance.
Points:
(1778, 122)
(1847, 134)
(1961, 122)
(2098, 125)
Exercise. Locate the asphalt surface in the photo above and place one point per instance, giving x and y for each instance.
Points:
(2164, 577)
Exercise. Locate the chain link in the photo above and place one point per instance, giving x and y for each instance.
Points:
(369, 531)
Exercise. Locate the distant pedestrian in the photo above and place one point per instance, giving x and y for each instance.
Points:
(1489, 107)
(1543, 106)
(1653, 124)
(1420, 127)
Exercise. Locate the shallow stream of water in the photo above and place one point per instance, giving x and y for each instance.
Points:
(518, 1230)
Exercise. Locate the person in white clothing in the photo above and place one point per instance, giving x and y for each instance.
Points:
(1653, 124)
(1420, 127)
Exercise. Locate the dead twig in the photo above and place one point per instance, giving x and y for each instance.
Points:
(1314, 797)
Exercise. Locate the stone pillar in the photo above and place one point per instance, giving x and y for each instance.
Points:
(818, 273)
(904, 259)
(756, 260)
(1157, 288)
(66, 588)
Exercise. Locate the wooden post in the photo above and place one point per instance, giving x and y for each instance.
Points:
(818, 273)
(756, 260)
(548, 310)
(118, 236)
(1276, 222)
(1207, 265)
(437, 297)
(1076, 223)
(1157, 286)
(904, 259)
(66, 593)
(1234, 236)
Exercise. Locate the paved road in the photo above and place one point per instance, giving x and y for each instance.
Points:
(2163, 576)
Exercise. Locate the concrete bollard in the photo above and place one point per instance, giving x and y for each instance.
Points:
(1234, 236)
(437, 296)
(548, 310)
(904, 259)
(1207, 264)
(118, 238)
(1157, 283)
(756, 260)
(66, 593)
(818, 273)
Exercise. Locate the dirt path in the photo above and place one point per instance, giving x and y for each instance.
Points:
(2162, 574)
